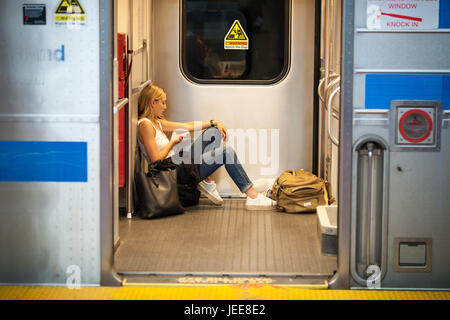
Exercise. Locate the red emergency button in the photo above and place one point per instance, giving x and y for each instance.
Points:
(415, 125)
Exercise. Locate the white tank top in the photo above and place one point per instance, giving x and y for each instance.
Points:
(160, 137)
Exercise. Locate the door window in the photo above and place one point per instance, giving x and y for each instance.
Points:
(245, 41)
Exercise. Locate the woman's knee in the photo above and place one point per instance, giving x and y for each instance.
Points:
(211, 132)
(229, 155)
(212, 138)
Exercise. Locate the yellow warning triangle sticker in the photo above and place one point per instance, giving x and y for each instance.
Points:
(69, 7)
(236, 32)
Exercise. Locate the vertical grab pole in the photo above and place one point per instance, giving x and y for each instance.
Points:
(327, 38)
(130, 207)
(331, 38)
(323, 84)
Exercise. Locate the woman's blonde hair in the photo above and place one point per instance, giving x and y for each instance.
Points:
(149, 94)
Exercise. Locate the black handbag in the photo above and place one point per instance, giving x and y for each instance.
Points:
(157, 191)
(188, 178)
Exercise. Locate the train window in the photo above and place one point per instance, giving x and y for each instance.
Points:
(235, 41)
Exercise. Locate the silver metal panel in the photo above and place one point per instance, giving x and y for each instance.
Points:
(49, 84)
(417, 180)
(286, 106)
(417, 209)
(396, 51)
(48, 68)
(402, 51)
(47, 227)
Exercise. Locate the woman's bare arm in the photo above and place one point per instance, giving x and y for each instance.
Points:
(190, 126)
(147, 136)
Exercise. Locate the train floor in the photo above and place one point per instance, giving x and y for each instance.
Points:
(225, 240)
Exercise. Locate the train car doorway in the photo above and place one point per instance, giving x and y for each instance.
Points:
(263, 87)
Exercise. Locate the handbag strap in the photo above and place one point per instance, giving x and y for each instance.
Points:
(137, 157)
(137, 160)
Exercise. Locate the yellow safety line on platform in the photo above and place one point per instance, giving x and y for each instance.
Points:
(223, 292)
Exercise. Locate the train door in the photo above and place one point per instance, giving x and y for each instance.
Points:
(394, 172)
(55, 168)
(328, 92)
(251, 66)
(328, 124)
(132, 73)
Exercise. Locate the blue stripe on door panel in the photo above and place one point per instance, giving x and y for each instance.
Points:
(444, 14)
(39, 161)
(382, 88)
(446, 92)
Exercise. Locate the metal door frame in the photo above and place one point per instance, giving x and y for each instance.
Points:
(108, 48)
(108, 11)
(342, 278)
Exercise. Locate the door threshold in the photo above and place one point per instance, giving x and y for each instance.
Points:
(307, 281)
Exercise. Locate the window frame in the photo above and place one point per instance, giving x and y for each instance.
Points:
(287, 54)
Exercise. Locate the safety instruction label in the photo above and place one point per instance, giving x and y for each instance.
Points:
(34, 14)
(236, 38)
(70, 12)
(402, 14)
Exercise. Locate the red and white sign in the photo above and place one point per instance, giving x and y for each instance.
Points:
(402, 14)
(415, 126)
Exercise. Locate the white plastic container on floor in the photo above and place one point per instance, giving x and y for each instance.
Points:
(327, 228)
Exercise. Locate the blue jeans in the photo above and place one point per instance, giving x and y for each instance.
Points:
(207, 152)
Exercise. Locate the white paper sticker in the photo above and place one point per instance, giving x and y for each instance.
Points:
(402, 14)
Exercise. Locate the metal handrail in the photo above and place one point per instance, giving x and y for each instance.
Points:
(141, 86)
(141, 48)
(328, 87)
(333, 139)
(322, 81)
(120, 104)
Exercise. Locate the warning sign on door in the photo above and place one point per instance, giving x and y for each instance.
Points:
(70, 12)
(236, 38)
(402, 14)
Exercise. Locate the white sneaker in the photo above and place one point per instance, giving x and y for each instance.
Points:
(264, 186)
(261, 202)
(268, 190)
(209, 190)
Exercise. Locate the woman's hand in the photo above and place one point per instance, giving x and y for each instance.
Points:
(222, 129)
(176, 140)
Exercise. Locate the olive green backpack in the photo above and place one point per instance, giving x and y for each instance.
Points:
(301, 191)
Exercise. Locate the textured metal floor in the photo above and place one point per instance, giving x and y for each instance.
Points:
(223, 240)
